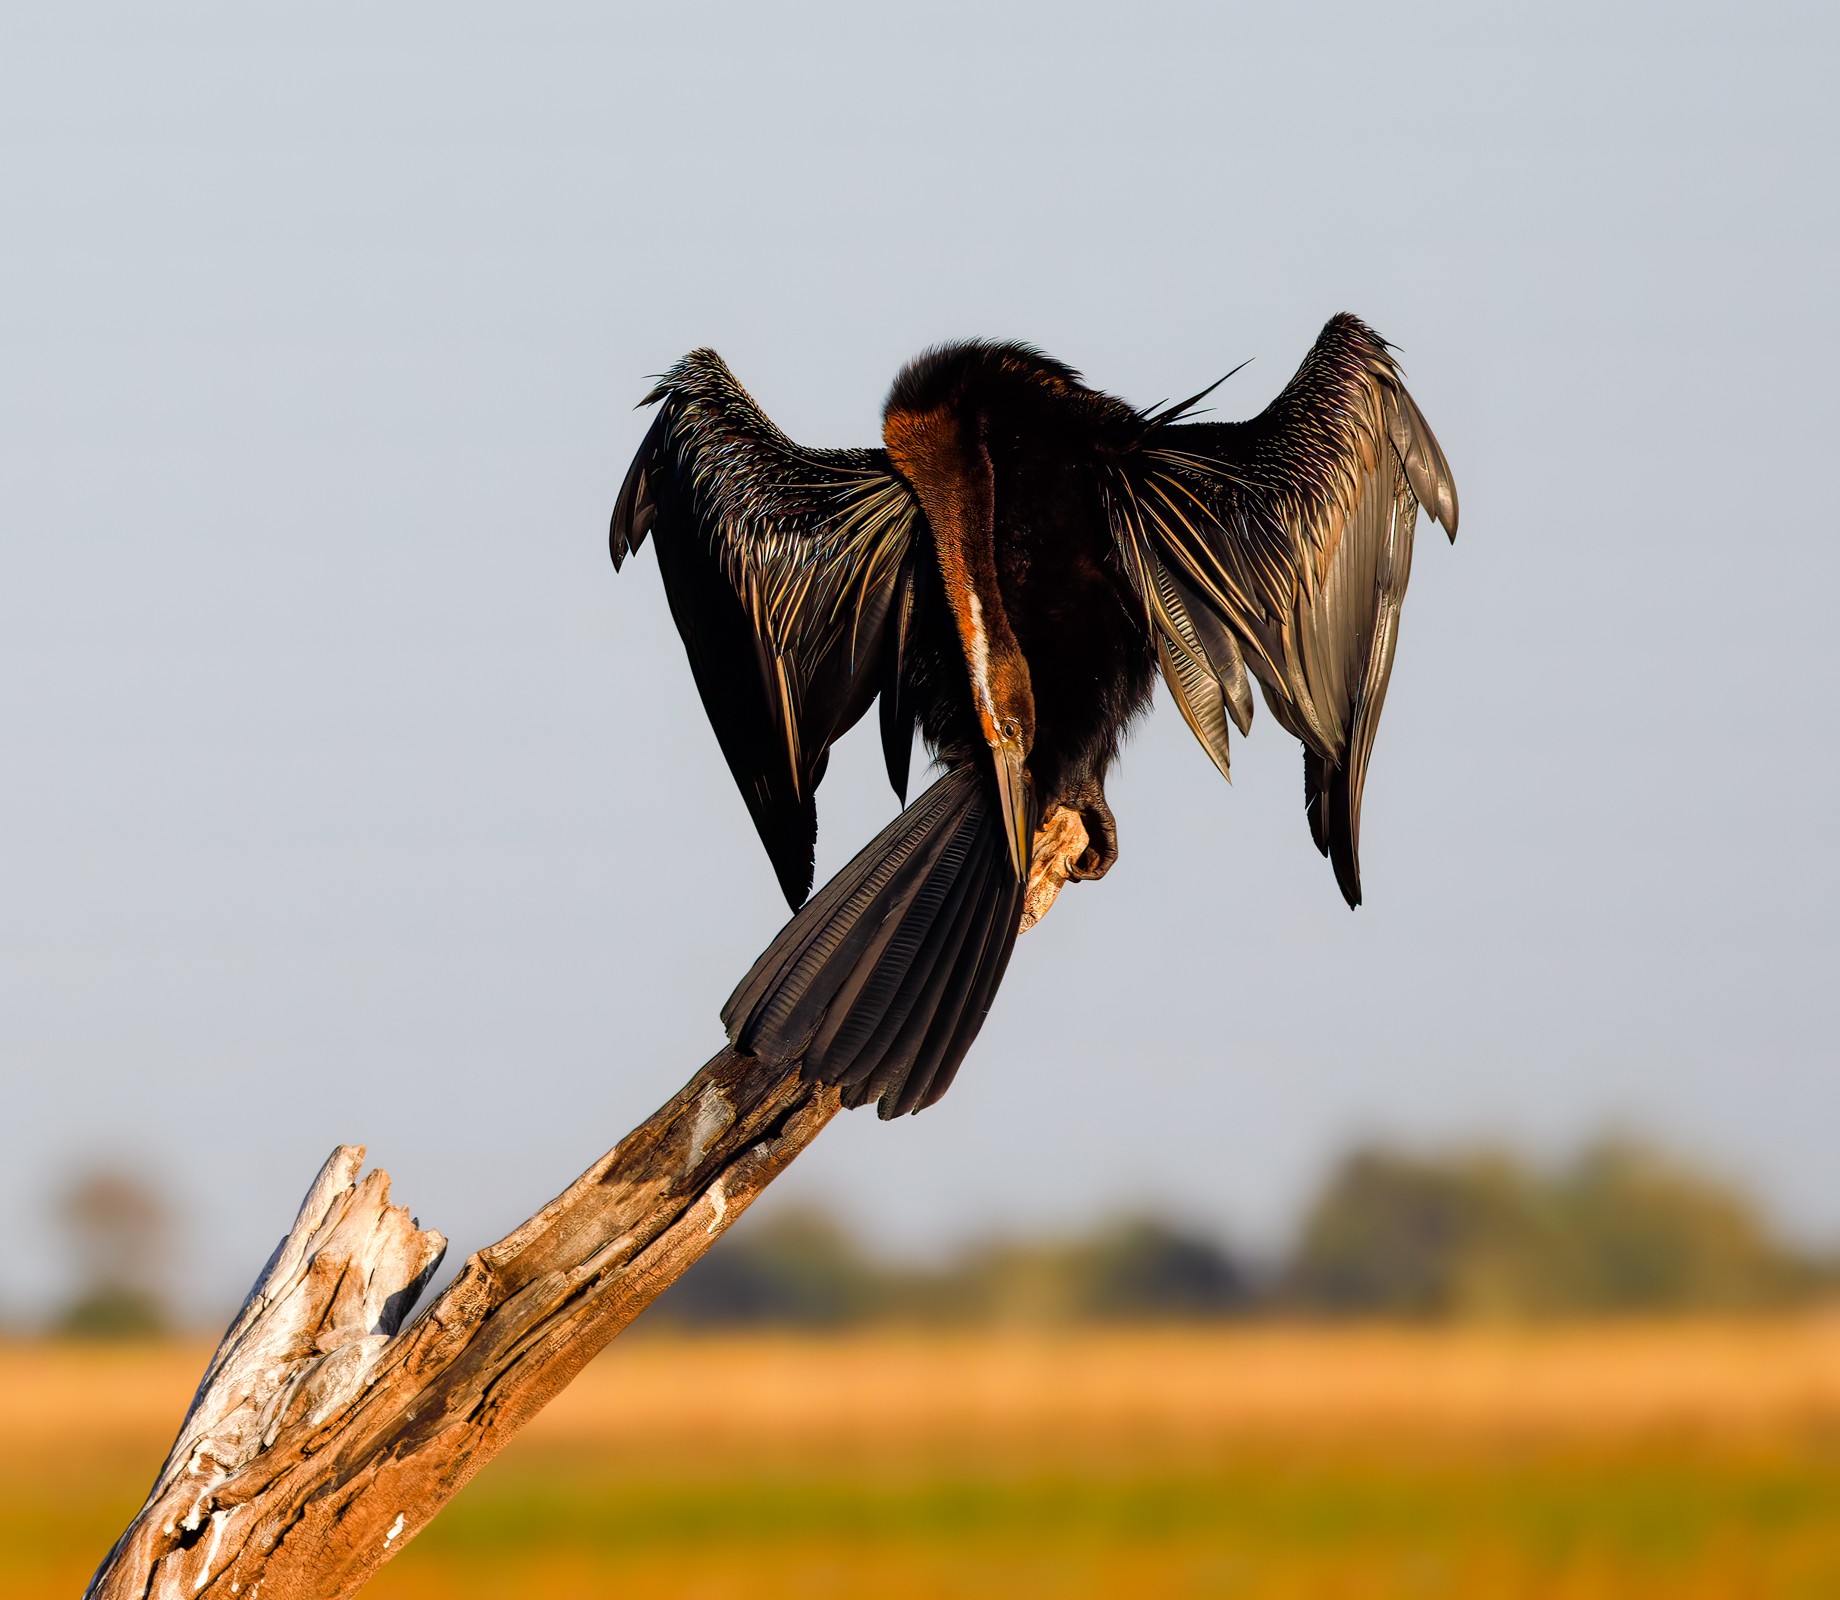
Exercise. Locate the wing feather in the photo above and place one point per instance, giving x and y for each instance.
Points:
(1292, 535)
(788, 572)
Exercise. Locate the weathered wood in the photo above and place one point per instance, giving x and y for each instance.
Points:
(326, 1434)
(1059, 843)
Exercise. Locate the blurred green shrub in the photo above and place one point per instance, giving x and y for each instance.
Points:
(801, 1269)
(1622, 1228)
(798, 1269)
(117, 1228)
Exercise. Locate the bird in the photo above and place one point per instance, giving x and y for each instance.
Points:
(1009, 574)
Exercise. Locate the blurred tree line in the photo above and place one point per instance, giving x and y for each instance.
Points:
(1621, 1228)
(117, 1228)
(802, 1269)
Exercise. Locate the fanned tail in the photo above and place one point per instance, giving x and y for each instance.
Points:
(883, 980)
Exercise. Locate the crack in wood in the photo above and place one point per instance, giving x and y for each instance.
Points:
(326, 1410)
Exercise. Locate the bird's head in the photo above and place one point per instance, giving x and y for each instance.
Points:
(939, 449)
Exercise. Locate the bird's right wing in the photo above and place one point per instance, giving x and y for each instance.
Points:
(789, 574)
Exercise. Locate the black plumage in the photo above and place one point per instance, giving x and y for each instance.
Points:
(1010, 573)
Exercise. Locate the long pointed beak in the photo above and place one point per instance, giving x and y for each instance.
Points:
(1013, 793)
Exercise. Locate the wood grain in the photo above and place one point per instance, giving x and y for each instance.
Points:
(329, 1429)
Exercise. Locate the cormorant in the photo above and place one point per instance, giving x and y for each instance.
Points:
(1010, 572)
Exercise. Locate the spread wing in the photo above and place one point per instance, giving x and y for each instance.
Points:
(789, 575)
(1283, 544)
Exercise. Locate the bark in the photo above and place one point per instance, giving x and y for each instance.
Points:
(1059, 843)
(326, 1433)
(329, 1428)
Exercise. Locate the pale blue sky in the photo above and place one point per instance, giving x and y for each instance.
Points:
(348, 795)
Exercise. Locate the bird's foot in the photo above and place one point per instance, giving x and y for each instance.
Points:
(1101, 832)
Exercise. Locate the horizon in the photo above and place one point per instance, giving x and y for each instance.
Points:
(354, 798)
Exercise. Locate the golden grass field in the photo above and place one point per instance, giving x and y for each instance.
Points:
(1685, 1461)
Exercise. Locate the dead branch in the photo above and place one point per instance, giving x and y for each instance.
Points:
(326, 1434)
(1059, 842)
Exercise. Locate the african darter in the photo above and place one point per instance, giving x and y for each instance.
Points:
(1010, 572)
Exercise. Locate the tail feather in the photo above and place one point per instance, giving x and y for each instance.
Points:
(982, 961)
(768, 1003)
(881, 983)
(887, 1007)
(905, 1055)
(881, 986)
(777, 1000)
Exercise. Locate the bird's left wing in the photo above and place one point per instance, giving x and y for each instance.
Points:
(1283, 544)
(789, 574)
